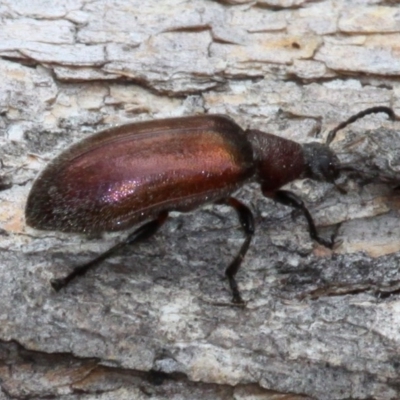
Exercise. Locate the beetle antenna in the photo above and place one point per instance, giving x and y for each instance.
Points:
(355, 117)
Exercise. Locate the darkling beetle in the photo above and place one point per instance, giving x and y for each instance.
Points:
(141, 171)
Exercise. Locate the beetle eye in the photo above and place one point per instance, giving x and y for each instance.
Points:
(330, 170)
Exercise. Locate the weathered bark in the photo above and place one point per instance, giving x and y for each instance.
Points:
(318, 323)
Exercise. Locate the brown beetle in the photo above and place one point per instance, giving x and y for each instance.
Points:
(121, 176)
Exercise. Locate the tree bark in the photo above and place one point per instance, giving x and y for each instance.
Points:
(156, 319)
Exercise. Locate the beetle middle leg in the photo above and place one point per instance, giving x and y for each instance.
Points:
(290, 199)
(142, 233)
(247, 222)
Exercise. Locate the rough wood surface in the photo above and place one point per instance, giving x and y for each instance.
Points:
(318, 324)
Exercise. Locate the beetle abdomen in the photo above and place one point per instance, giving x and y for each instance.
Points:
(118, 177)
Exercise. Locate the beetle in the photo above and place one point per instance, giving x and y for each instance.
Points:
(122, 176)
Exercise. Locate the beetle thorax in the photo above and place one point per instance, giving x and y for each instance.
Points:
(278, 160)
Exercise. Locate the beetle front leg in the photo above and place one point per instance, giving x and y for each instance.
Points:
(290, 199)
(142, 233)
(247, 222)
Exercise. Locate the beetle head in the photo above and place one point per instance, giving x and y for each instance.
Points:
(321, 163)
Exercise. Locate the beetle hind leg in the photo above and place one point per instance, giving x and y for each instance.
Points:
(142, 233)
(247, 222)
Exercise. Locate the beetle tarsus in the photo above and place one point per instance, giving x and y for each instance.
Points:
(58, 284)
(325, 242)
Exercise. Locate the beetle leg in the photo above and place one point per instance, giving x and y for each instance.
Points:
(147, 230)
(290, 199)
(247, 221)
(142, 233)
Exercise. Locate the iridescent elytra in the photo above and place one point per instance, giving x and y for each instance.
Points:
(139, 172)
